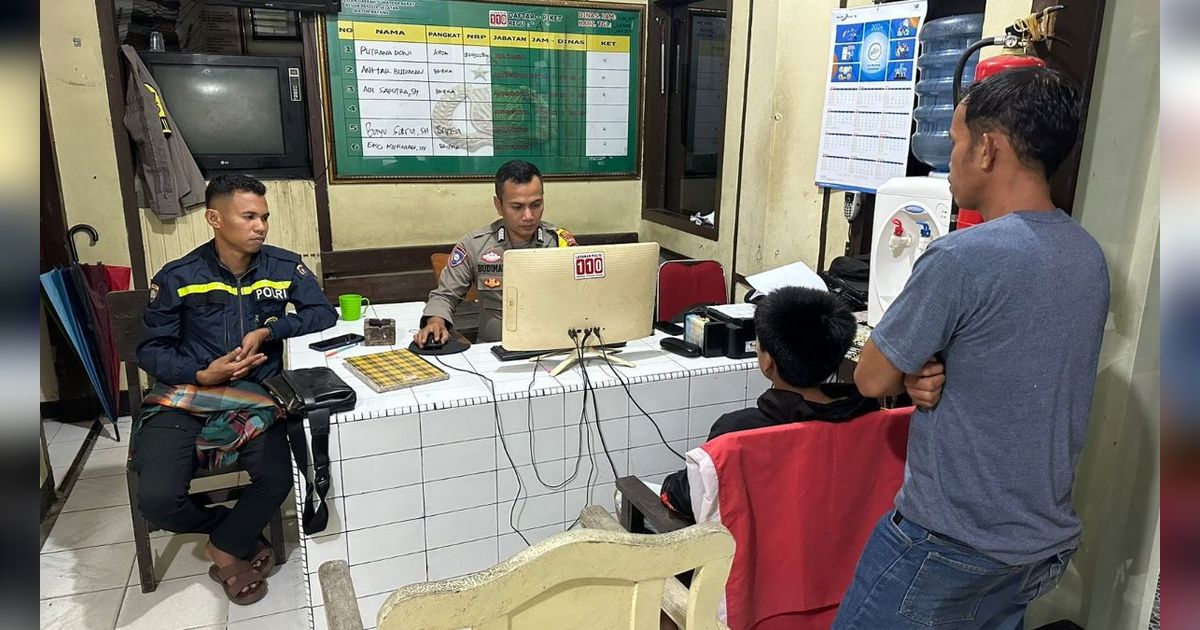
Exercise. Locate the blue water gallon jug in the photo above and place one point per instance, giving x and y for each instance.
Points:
(943, 41)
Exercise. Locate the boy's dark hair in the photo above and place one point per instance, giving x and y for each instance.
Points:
(806, 331)
(517, 172)
(1037, 108)
(223, 185)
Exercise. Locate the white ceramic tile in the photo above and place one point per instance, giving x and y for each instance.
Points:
(388, 575)
(382, 435)
(722, 387)
(459, 424)
(318, 618)
(700, 419)
(616, 436)
(97, 492)
(672, 424)
(337, 517)
(756, 384)
(175, 604)
(535, 482)
(104, 462)
(547, 444)
(531, 512)
(380, 472)
(383, 507)
(175, 556)
(368, 608)
(659, 396)
(602, 473)
(655, 459)
(287, 620)
(460, 493)
(542, 412)
(462, 559)
(385, 541)
(612, 402)
(444, 530)
(326, 548)
(50, 429)
(601, 494)
(104, 526)
(90, 611)
(458, 459)
(314, 589)
(78, 571)
(512, 544)
(73, 432)
(285, 592)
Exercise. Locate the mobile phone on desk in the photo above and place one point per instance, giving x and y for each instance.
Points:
(336, 342)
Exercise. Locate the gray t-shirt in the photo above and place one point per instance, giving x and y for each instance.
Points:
(1015, 309)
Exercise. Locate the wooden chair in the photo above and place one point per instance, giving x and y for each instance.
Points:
(125, 316)
(596, 577)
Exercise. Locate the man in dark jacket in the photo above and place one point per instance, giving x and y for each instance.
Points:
(803, 335)
(216, 317)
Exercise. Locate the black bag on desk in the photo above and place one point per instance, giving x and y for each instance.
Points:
(312, 393)
(847, 277)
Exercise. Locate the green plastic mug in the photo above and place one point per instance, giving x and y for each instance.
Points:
(352, 306)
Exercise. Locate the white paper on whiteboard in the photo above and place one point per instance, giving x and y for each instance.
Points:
(796, 274)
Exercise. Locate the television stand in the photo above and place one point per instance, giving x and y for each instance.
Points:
(572, 358)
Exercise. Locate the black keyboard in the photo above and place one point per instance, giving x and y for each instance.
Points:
(517, 355)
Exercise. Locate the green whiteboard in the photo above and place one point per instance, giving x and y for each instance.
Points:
(455, 88)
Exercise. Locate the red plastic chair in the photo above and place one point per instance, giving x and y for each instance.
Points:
(685, 283)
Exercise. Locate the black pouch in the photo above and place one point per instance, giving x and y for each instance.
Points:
(312, 393)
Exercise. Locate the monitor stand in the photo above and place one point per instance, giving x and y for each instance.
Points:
(572, 359)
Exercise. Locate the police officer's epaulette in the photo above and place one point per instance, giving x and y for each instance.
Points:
(187, 259)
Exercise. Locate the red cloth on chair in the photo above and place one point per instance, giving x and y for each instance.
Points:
(685, 283)
(801, 500)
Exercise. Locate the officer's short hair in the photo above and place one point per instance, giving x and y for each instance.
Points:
(223, 185)
(517, 172)
(806, 331)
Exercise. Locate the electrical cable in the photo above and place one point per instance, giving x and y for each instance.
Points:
(635, 402)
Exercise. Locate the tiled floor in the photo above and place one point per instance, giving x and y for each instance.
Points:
(89, 579)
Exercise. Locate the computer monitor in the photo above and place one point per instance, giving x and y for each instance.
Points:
(550, 292)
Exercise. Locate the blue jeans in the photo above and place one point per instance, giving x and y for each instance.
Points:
(909, 577)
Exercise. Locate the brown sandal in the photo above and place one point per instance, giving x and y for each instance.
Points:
(243, 576)
(262, 561)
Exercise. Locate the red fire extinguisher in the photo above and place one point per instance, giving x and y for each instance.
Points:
(1017, 40)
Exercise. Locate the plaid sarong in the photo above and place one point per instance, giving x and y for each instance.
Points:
(232, 414)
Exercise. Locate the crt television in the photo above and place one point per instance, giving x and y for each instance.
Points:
(238, 113)
(549, 292)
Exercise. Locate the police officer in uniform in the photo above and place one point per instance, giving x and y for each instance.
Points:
(478, 259)
(218, 315)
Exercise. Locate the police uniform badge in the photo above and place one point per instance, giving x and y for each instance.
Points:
(491, 282)
(153, 292)
(457, 255)
(565, 238)
(301, 269)
(490, 257)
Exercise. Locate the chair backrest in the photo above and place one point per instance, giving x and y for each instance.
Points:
(125, 310)
(685, 283)
(801, 500)
(439, 262)
(582, 578)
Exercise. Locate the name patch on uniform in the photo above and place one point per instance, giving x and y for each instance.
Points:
(457, 255)
(490, 269)
(270, 293)
(490, 257)
(589, 265)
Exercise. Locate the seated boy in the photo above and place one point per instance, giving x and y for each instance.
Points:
(803, 334)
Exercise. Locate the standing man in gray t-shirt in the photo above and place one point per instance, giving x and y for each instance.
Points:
(1014, 310)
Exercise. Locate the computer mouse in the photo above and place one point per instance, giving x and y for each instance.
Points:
(433, 344)
(678, 346)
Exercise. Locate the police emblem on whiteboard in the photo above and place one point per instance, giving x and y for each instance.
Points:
(457, 255)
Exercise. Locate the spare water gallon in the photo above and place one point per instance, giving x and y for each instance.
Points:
(943, 41)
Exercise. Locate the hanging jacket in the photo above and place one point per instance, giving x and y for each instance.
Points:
(199, 310)
(168, 181)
